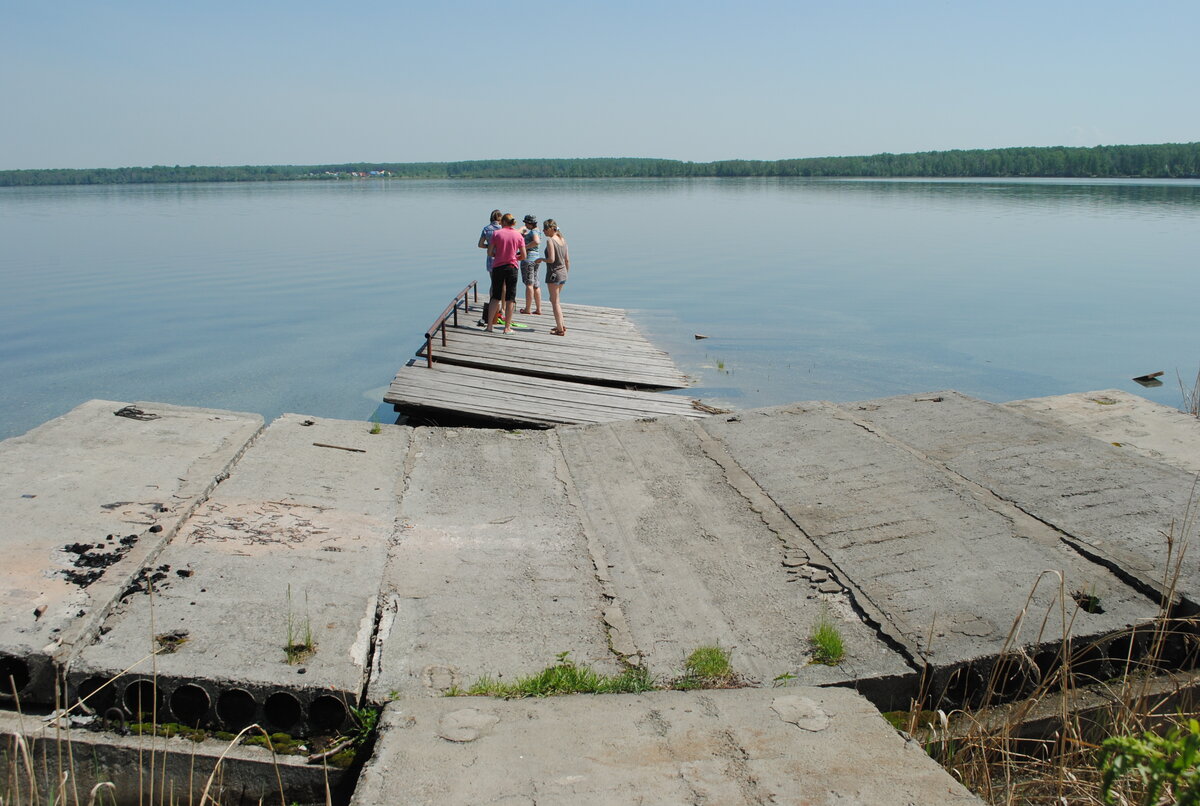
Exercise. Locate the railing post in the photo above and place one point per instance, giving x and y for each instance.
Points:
(429, 350)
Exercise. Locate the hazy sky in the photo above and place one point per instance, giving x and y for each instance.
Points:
(133, 82)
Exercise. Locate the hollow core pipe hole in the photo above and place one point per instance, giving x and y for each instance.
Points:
(327, 712)
(14, 674)
(189, 704)
(236, 708)
(97, 693)
(282, 710)
(142, 699)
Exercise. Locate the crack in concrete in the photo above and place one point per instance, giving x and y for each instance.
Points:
(790, 534)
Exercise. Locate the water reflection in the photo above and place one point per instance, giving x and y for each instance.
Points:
(305, 296)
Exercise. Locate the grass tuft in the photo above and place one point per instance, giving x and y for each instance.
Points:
(826, 642)
(564, 677)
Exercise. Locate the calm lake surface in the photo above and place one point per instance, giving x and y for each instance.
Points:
(306, 297)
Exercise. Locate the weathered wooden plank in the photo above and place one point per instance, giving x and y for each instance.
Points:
(597, 361)
(548, 394)
(601, 371)
(501, 396)
(547, 400)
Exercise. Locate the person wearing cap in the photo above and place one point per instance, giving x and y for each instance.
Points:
(529, 275)
(507, 250)
(485, 238)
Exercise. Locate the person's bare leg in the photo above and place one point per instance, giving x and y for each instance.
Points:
(556, 306)
(508, 312)
(489, 312)
(528, 298)
(537, 299)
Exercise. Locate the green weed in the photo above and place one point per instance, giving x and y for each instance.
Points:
(1167, 764)
(826, 642)
(299, 646)
(365, 720)
(564, 677)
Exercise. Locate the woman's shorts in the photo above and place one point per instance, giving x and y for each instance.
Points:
(529, 273)
(504, 283)
(556, 276)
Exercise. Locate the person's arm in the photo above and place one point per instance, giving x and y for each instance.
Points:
(483, 242)
(524, 255)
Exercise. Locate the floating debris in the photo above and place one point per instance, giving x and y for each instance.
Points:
(1149, 379)
(135, 413)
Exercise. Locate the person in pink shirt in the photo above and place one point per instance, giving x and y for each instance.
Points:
(507, 250)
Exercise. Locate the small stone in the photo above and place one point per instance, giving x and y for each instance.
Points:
(156, 528)
(818, 575)
(829, 587)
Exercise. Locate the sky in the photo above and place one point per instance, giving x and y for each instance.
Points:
(138, 83)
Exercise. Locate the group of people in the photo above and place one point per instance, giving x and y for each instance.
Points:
(513, 253)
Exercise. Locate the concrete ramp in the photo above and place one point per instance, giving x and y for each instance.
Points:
(689, 557)
(1105, 500)
(491, 573)
(951, 567)
(1125, 421)
(621, 544)
(815, 746)
(288, 552)
(85, 501)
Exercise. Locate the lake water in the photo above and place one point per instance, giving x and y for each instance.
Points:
(307, 296)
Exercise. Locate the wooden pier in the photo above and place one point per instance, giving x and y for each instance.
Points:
(603, 369)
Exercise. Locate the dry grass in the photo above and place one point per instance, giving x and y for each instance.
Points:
(1045, 749)
(1191, 396)
(44, 765)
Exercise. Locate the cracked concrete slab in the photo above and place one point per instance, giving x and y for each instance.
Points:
(689, 560)
(1125, 421)
(750, 746)
(1106, 501)
(490, 574)
(292, 546)
(85, 500)
(949, 564)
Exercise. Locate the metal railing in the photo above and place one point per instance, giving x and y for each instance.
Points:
(450, 312)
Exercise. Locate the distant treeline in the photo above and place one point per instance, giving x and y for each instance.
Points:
(1167, 161)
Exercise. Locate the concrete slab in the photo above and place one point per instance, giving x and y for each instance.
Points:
(1126, 421)
(85, 499)
(951, 566)
(152, 769)
(292, 544)
(686, 560)
(750, 746)
(1106, 501)
(490, 574)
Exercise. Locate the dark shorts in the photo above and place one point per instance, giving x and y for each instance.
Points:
(504, 283)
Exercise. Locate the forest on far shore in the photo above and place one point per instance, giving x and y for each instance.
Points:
(1165, 161)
